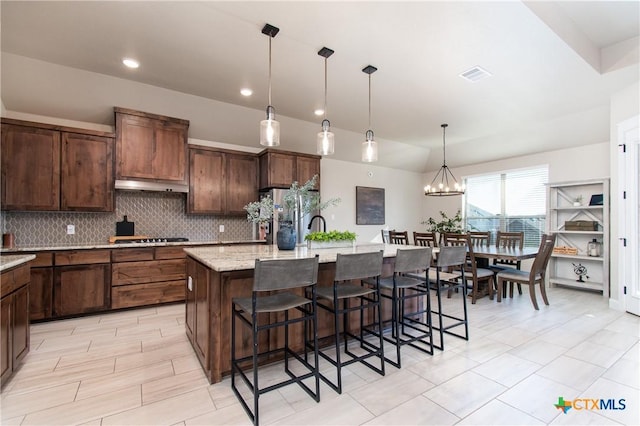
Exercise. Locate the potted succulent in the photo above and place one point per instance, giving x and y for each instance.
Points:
(331, 239)
(260, 213)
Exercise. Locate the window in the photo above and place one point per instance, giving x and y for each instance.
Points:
(511, 201)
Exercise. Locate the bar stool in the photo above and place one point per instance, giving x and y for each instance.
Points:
(409, 284)
(357, 266)
(450, 276)
(278, 278)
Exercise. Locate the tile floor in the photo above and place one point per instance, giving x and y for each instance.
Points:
(137, 368)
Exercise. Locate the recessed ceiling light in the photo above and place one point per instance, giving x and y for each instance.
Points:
(246, 92)
(318, 112)
(130, 63)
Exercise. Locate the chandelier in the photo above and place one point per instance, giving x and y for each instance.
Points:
(444, 183)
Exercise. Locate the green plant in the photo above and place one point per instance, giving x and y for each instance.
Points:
(308, 198)
(446, 224)
(331, 236)
(260, 211)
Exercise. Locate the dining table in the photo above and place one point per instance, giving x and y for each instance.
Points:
(502, 253)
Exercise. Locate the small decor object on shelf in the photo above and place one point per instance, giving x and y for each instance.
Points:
(577, 202)
(594, 248)
(596, 200)
(581, 271)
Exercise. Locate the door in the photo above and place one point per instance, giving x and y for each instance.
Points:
(629, 211)
(81, 289)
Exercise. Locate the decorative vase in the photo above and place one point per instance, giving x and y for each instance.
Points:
(286, 237)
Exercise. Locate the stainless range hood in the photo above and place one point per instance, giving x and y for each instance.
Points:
(139, 185)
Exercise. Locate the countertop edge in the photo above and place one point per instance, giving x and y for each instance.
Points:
(8, 262)
(89, 246)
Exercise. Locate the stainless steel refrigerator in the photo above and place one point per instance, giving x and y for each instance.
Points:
(301, 222)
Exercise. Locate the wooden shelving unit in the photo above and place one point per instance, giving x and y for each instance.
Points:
(560, 210)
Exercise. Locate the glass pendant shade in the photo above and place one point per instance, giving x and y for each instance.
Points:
(326, 140)
(369, 148)
(270, 129)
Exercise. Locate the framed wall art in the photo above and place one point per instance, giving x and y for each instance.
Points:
(369, 206)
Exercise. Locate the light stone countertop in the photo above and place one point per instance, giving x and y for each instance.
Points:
(238, 258)
(90, 246)
(7, 262)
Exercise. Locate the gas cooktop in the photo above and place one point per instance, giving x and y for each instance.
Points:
(152, 240)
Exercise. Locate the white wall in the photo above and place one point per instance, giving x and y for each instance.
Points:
(403, 197)
(624, 105)
(585, 162)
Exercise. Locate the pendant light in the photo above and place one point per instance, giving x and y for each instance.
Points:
(270, 128)
(369, 146)
(326, 139)
(444, 181)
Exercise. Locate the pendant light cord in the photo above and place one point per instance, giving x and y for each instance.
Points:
(270, 70)
(325, 88)
(369, 101)
(444, 149)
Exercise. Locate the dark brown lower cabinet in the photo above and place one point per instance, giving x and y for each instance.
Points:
(14, 319)
(81, 289)
(147, 276)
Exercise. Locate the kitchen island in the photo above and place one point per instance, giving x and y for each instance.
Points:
(215, 275)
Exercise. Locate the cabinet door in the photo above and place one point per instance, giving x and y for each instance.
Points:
(242, 182)
(80, 289)
(20, 324)
(41, 293)
(206, 182)
(134, 147)
(306, 168)
(190, 299)
(87, 173)
(203, 317)
(277, 170)
(6, 339)
(30, 168)
(170, 152)
(151, 148)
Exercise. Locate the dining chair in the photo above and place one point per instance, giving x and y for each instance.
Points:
(451, 259)
(425, 239)
(480, 238)
(354, 267)
(274, 285)
(474, 273)
(410, 302)
(399, 237)
(535, 276)
(385, 236)
(508, 240)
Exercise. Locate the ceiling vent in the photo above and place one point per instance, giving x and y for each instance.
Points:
(474, 74)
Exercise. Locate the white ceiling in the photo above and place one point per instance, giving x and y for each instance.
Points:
(555, 66)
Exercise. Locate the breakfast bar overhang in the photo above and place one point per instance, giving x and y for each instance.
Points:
(215, 275)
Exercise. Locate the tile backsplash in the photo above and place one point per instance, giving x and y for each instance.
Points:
(155, 214)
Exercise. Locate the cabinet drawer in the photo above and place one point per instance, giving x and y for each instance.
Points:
(147, 272)
(147, 294)
(42, 260)
(82, 257)
(132, 254)
(170, 253)
(13, 279)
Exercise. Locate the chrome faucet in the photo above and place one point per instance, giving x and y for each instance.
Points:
(324, 222)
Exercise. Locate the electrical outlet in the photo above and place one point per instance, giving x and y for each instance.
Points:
(221, 229)
(71, 229)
